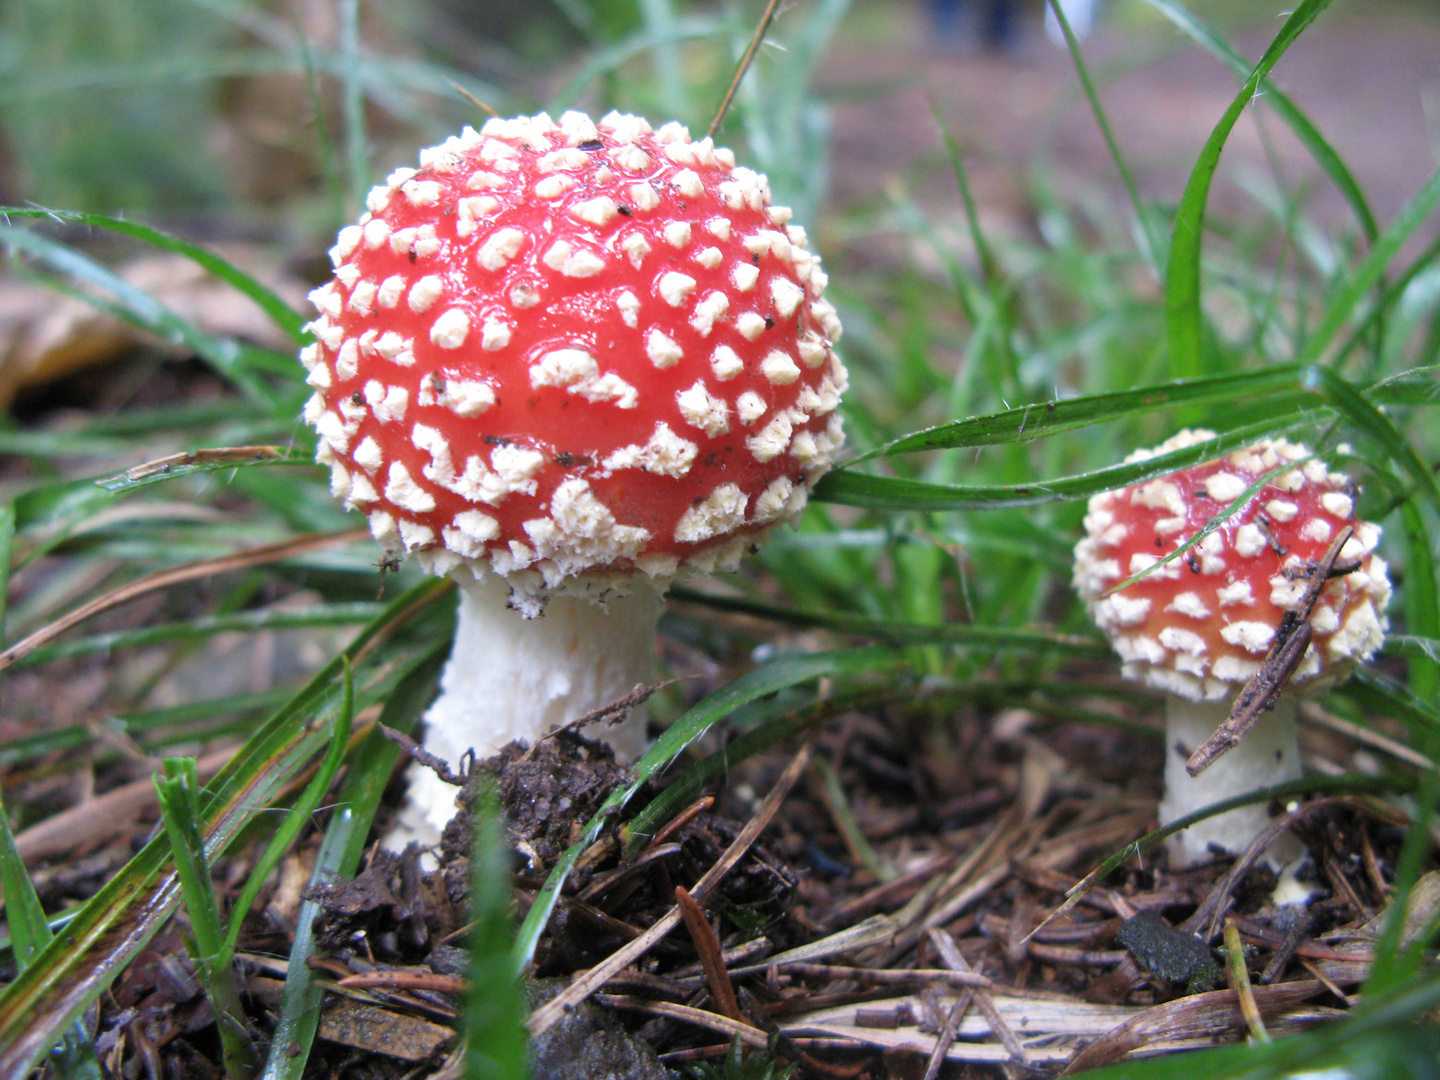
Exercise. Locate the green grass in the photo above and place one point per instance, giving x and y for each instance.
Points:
(998, 382)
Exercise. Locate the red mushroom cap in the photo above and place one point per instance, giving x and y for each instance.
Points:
(570, 350)
(1200, 625)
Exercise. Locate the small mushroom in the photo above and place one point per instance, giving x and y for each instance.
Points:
(565, 362)
(1205, 624)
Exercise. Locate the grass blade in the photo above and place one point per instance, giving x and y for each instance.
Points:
(1183, 315)
(180, 811)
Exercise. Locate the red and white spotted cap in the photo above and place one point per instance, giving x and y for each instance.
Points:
(565, 351)
(1199, 626)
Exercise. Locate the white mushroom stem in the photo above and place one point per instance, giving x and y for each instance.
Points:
(509, 677)
(1268, 754)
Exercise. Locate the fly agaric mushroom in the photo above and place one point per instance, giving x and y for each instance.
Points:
(566, 362)
(1200, 626)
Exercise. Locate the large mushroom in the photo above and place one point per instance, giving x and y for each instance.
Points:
(564, 362)
(1200, 627)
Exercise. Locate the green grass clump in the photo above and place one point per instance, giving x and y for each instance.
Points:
(998, 382)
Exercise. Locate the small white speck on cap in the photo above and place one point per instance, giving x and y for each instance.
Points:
(367, 455)
(744, 275)
(714, 305)
(677, 233)
(750, 407)
(635, 247)
(709, 257)
(414, 534)
(1317, 529)
(773, 502)
(718, 227)
(401, 490)
(1254, 637)
(376, 232)
(598, 211)
(643, 196)
(720, 512)
(495, 333)
(567, 157)
(577, 372)
(499, 248)
(390, 291)
(424, 293)
(812, 349)
(1225, 487)
(524, 294)
(662, 350)
(750, 324)
(631, 158)
(771, 440)
(516, 466)
(377, 198)
(572, 260)
(1160, 495)
(1182, 641)
(467, 398)
(421, 192)
(1169, 526)
(704, 410)
(628, 305)
(485, 181)
(470, 532)
(346, 241)
(1237, 592)
(382, 525)
(347, 359)
(1249, 540)
(391, 344)
(779, 368)
(450, 330)
(1190, 605)
(786, 295)
(664, 454)
(387, 403)
(726, 363)
(553, 186)
(326, 299)
(1338, 503)
(320, 376)
(362, 298)
(674, 131)
(471, 211)
(1282, 510)
(688, 183)
(1120, 609)
(674, 287)
(778, 215)
(682, 153)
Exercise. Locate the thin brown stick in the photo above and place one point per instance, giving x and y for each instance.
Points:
(1240, 983)
(1292, 638)
(545, 1017)
(766, 18)
(707, 947)
(174, 575)
(950, 953)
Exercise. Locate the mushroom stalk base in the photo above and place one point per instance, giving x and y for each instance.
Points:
(509, 677)
(1268, 754)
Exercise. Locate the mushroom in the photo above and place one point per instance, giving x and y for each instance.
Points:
(1202, 625)
(565, 362)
